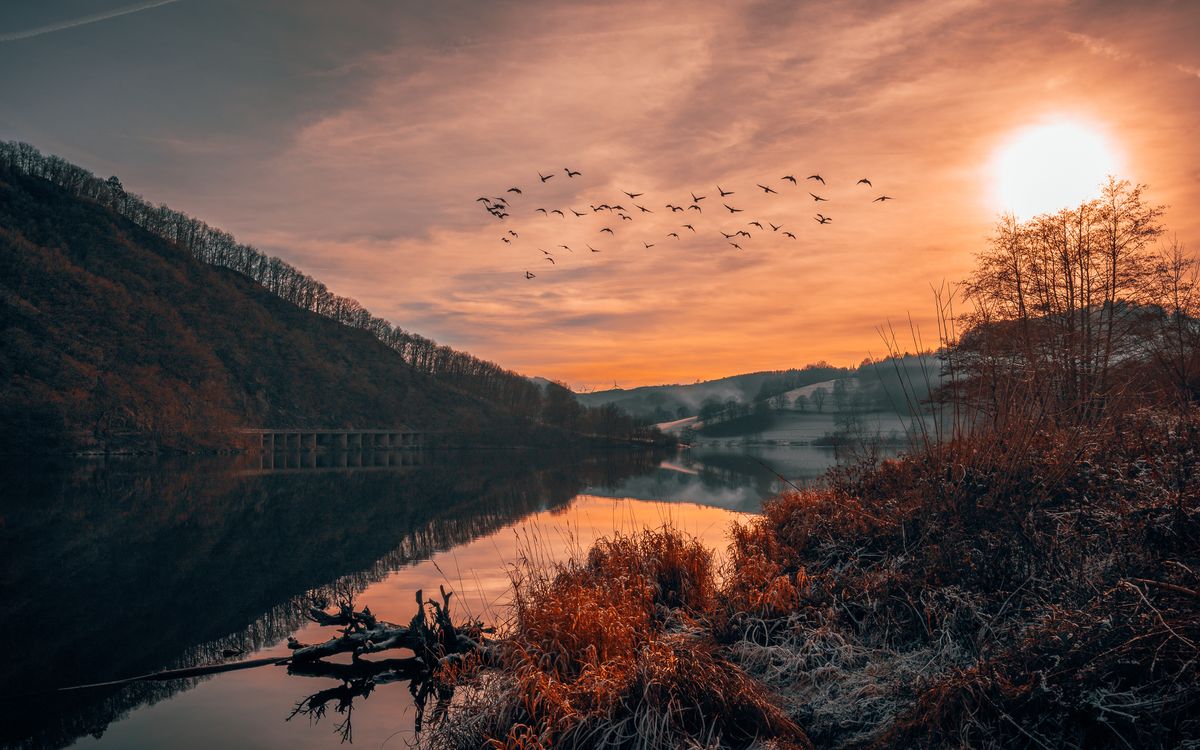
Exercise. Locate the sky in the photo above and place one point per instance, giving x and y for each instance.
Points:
(353, 138)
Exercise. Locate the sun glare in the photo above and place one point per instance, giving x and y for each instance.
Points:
(1051, 166)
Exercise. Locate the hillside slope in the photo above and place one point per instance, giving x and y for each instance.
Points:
(107, 330)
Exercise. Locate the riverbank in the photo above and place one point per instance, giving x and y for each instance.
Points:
(1007, 590)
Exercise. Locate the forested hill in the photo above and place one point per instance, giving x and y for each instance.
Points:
(110, 331)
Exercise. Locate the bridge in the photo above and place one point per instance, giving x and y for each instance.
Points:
(313, 439)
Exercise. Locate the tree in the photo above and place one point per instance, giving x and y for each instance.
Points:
(800, 403)
(818, 398)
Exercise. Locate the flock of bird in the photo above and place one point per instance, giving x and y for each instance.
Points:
(503, 207)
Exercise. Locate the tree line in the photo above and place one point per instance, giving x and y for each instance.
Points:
(216, 247)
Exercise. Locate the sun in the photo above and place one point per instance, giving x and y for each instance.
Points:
(1050, 166)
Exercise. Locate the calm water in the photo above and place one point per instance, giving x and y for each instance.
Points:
(110, 569)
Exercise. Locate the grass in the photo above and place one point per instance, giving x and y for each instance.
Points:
(1018, 589)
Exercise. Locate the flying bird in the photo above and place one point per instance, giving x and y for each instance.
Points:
(729, 236)
(648, 245)
(742, 233)
(736, 246)
(643, 209)
(674, 234)
(577, 213)
(632, 195)
(789, 234)
(571, 173)
(766, 189)
(789, 178)
(817, 198)
(724, 192)
(882, 198)
(864, 181)
(500, 201)
(606, 229)
(485, 200)
(775, 227)
(732, 210)
(822, 219)
(625, 218)
(545, 177)
(516, 190)
(542, 210)
(674, 208)
(550, 259)
(529, 275)
(697, 199)
(560, 213)
(564, 247)
(514, 234)
(756, 224)
(594, 250)
(544, 252)
(695, 207)
(816, 177)
(506, 240)
(689, 226)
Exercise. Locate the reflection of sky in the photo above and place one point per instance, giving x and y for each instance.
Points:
(247, 709)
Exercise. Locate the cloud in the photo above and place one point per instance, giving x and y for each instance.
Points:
(83, 20)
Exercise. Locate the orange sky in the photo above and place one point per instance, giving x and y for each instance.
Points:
(370, 185)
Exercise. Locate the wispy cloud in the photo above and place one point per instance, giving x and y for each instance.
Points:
(83, 20)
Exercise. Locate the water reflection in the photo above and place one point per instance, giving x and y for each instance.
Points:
(118, 568)
(124, 567)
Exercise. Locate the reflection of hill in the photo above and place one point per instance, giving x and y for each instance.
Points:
(119, 569)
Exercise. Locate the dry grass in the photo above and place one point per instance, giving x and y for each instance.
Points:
(1037, 590)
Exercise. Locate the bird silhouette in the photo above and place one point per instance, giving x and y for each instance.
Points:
(606, 229)
(485, 200)
(816, 177)
(625, 218)
(529, 275)
(544, 252)
(594, 250)
(775, 227)
(766, 189)
(864, 181)
(516, 190)
(648, 245)
(883, 198)
(674, 208)
(506, 240)
(695, 207)
(724, 192)
(822, 219)
(545, 177)
(817, 198)
(789, 178)
(756, 224)
(789, 234)
(571, 173)
(564, 247)
(643, 209)
(500, 202)
(732, 210)
(542, 210)
(729, 236)
(514, 234)
(551, 260)
(697, 199)
(560, 213)
(577, 213)
(674, 234)
(736, 246)
(742, 233)
(689, 226)
(632, 195)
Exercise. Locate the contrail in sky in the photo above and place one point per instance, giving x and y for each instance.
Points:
(72, 23)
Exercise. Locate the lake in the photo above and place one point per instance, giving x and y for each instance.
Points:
(121, 567)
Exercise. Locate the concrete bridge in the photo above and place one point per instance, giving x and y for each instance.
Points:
(311, 439)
